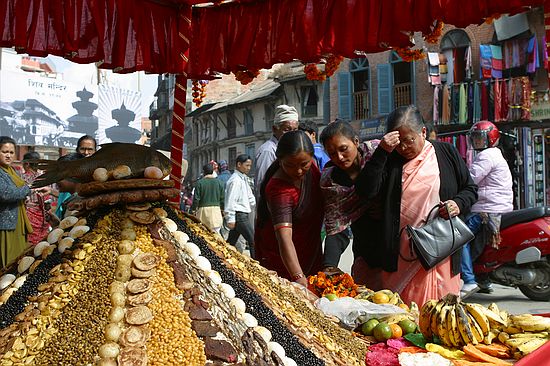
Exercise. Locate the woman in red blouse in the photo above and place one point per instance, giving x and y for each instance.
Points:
(290, 211)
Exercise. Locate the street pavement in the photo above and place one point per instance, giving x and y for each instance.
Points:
(507, 298)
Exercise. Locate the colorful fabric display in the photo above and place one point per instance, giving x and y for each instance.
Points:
(533, 61)
(462, 108)
(496, 61)
(485, 60)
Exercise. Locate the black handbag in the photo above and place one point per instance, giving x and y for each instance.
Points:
(438, 239)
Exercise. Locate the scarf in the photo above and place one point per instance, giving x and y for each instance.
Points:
(19, 182)
(342, 205)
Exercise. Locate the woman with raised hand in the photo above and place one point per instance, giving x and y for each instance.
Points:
(409, 180)
(14, 223)
(290, 211)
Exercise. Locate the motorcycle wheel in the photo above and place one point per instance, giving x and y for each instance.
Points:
(540, 290)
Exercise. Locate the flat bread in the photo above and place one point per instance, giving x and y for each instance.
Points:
(135, 336)
(146, 261)
(92, 188)
(142, 217)
(140, 299)
(132, 356)
(138, 285)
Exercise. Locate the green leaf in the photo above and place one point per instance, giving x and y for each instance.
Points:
(417, 339)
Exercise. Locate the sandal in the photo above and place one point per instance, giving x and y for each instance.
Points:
(332, 270)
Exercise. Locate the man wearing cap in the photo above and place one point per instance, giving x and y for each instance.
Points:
(224, 174)
(286, 119)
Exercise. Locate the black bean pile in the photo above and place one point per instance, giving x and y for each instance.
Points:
(97, 214)
(19, 299)
(254, 304)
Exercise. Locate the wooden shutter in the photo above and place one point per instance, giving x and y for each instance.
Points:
(385, 84)
(344, 95)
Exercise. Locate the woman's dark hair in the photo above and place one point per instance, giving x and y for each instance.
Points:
(71, 156)
(429, 128)
(31, 155)
(242, 159)
(337, 128)
(7, 140)
(208, 169)
(84, 138)
(405, 116)
(290, 144)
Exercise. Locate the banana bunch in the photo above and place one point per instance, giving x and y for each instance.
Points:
(456, 323)
(525, 333)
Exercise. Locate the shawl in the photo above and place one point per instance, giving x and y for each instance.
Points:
(19, 182)
(342, 205)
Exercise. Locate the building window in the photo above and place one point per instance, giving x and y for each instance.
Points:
(231, 125)
(269, 110)
(454, 45)
(309, 101)
(402, 81)
(232, 157)
(360, 78)
(248, 122)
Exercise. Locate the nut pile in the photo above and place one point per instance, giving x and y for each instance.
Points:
(79, 328)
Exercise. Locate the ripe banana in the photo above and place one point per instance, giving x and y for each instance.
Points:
(396, 318)
(530, 335)
(424, 320)
(530, 323)
(476, 329)
(463, 325)
(434, 316)
(442, 331)
(479, 316)
(503, 337)
(454, 334)
(524, 346)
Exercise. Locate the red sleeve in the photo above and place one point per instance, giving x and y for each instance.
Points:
(281, 200)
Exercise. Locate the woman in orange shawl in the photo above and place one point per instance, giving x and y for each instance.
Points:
(14, 223)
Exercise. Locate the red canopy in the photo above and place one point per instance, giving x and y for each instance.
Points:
(154, 35)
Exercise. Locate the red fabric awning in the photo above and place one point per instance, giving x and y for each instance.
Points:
(153, 35)
(125, 35)
(259, 34)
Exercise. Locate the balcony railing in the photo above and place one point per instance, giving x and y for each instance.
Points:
(402, 94)
(361, 105)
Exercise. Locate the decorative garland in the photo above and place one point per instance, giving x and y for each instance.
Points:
(246, 76)
(331, 65)
(409, 55)
(341, 285)
(199, 91)
(433, 37)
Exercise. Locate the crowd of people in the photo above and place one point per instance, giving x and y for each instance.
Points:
(28, 214)
(310, 187)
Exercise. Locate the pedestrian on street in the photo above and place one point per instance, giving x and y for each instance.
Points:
(311, 129)
(208, 200)
(224, 173)
(239, 203)
(286, 119)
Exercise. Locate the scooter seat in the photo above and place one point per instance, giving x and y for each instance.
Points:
(523, 215)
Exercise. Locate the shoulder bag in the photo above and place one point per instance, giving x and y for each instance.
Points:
(438, 239)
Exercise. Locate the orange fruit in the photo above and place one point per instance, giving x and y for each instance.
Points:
(396, 331)
(382, 332)
(380, 298)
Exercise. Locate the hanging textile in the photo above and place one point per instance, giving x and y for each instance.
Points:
(498, 100)
(470, 93)
(504, 99)
(515, 100)
(496, 61)
(484, 101)
(445, 106)
(455, 103)
(526, 98)
(462, 109)
(533, 61)
(485, 61)
(491, 107)
(476, 104)
(468, 62)
(435, 114)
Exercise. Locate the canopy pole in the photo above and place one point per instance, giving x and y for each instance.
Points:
(178, 129)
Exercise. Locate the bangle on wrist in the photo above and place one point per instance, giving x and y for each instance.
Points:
(297, 276)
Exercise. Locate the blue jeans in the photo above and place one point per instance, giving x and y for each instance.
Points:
(473, 221)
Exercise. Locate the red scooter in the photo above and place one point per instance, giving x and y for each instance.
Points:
(523, 259)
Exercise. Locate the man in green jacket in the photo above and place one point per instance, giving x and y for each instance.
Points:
(209, 199)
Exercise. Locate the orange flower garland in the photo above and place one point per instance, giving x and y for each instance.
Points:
(199, 91)
(331, 65)
(409, 55)
(433, 37)
(342, 285)
(246, 76)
